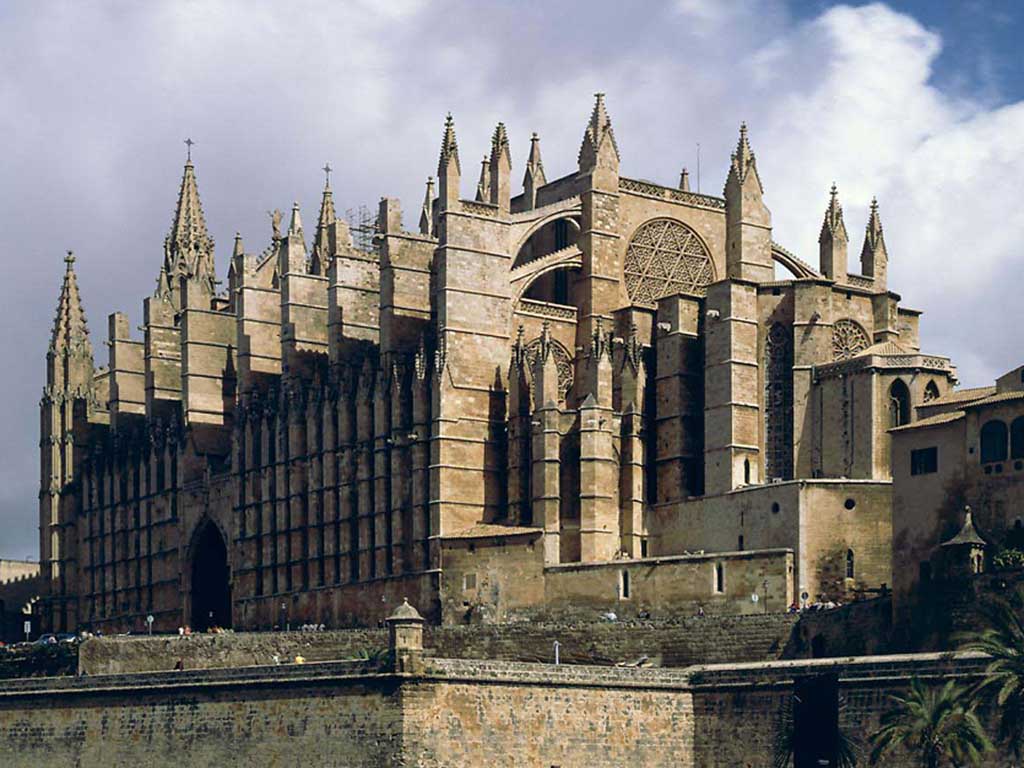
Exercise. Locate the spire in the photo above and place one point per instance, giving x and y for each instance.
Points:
(449, 147)
(500, 181)
(684, 180)
(599, 129)
(534, 165)
(427, 211)
(70, 350)
(295, 227)
(743, 160)
(239, 249)
(833, 240)
(499, 143)
(188, 247)
(321, 241)
(833, 225)
(534, 177)
(874, 256)
(747, 219)
(483, 187)
(449, 172)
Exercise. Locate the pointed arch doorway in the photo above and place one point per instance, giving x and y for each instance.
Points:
(211, 587)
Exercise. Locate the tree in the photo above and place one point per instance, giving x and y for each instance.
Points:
(936, 725)
(1002, 686)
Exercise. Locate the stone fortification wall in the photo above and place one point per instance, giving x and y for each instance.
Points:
(447, 713)
(672, 644)
(337, 714)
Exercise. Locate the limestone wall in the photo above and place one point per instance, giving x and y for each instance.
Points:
(712, 639)
(298, 715)
(450, 713)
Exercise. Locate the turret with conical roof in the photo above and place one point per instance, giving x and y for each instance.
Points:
(874, 258)
(748, 222)
(188, 247)
(833, 240)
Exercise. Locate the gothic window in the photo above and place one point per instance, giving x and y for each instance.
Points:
(848, 339)
(993, 441)
(1017, 438)
(899, 404)
(562, 361)
(931, 392)
(849, 563)
(666, 257)
(778, 402)
(719, 577)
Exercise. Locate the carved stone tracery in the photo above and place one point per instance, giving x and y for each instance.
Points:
(848, 339)
(666, 257)
(562, 361)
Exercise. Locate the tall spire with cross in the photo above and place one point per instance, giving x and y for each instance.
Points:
(321, 241)
(188, 247)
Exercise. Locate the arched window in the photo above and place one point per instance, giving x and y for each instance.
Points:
(1017, 438)
(849, 563)
(719, 577)
(931, 391)
(899, 404)
(778, 402)
(746, 471)
(993, 441)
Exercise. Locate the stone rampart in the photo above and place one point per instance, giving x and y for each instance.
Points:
(675, 643)
(448, 713)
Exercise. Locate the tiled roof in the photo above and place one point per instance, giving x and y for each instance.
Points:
(1002, 397)
(961, 396)
(931, 421)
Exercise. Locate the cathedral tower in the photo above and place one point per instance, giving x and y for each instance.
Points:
(69, 387)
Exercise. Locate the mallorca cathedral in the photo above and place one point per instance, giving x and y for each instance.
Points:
(596, 393)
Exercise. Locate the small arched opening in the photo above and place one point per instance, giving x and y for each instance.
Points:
(899, 404)
(993, 441)
(849, 564)
(211, 587)
(931, 391)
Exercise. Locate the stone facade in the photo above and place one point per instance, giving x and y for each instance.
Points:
(596, 370)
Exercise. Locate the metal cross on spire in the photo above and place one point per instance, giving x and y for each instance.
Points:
(189, 143)
(327, 172)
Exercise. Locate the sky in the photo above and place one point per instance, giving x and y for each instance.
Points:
(920, 103)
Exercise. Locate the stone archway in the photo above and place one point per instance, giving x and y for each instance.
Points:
(211, 587)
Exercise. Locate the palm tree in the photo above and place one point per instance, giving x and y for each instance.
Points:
(938, 725)
(1002, 686)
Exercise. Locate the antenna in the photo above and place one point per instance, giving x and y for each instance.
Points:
(698, 167)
